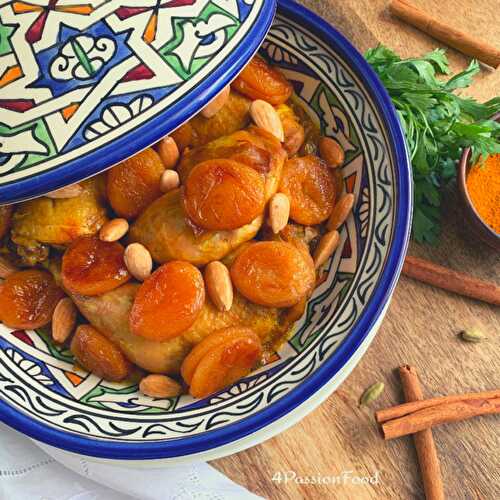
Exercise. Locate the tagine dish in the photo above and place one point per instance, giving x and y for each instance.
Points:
(185, 266)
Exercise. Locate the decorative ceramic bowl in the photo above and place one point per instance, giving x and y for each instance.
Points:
(47, 398)
(476, 223)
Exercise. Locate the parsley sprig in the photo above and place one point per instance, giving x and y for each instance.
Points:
(438, 124)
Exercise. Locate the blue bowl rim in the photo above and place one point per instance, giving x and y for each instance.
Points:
(150, 132)
(387, 282)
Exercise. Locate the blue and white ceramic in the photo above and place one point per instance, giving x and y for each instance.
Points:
(47, 398)
(86, 84)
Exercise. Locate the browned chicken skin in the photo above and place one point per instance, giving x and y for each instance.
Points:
(164, 228)
(110, 312)
(44, 221)
(199, 130)
(228, 171)
(5, 219)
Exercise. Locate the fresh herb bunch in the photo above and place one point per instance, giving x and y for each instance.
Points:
(438, 124)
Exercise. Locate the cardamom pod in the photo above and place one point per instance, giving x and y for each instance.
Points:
(371, 393)
(472, 335)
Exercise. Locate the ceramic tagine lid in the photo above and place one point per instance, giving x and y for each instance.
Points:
(85, 84)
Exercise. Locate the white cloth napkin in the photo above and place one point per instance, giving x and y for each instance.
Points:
(28, 473)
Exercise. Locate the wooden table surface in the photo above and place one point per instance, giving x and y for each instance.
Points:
(420, 328)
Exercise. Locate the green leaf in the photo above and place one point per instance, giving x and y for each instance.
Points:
(424, 230)
(439, 59)
(437, 124)
(476, 110)
(463, 79)
(426, 72)
(381, 54)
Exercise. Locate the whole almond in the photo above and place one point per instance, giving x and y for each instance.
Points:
(341, 211)
(6, 268)
(138, 261)
(169, 152)
(113, 230)
(326, 246)
(160, 386)
(219, 285)
(331, 151)
(71, 191)
(279, 212)
(169, 180)
(216, 104)
(63, 320)
(267, 118)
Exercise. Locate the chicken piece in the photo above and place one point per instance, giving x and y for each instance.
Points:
(293, 130)
(44, 221)
(166, 232)
(253, 147)
(5, 219)
(199, 130)
(312, 130)
(164, 227)
(110, 312)
(264, 321)
(303, 237)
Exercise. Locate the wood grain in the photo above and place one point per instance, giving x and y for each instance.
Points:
(420, 329)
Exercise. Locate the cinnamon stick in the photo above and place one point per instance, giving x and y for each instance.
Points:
(453, 281)
(407, 408)
(445, 33)
(424, 442)
(440, 414)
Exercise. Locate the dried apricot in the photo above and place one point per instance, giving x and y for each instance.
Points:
(135, 183)
(99, 355)
(93, 267)
(28, 299)
(242, 150)
(168, 302)
(200, 130)
(273, 273)
(215, 339)
(221, 359)
(5, 219)
(259, 80)
(311, 189)
(223, 194)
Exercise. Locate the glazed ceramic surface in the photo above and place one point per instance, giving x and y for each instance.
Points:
(45, 396)
(86, 84)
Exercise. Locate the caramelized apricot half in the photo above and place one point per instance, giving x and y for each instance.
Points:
(28, 299)
(223, 194)
(135, 183)
(221, 359)
(168, 302)
(273, 273)
(259, 80)
(93, 267)
(99, 355)
(310, 187)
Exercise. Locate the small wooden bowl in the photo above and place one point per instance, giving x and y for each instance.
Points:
(480, 228)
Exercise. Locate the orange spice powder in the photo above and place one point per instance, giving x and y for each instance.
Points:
(483, 185)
